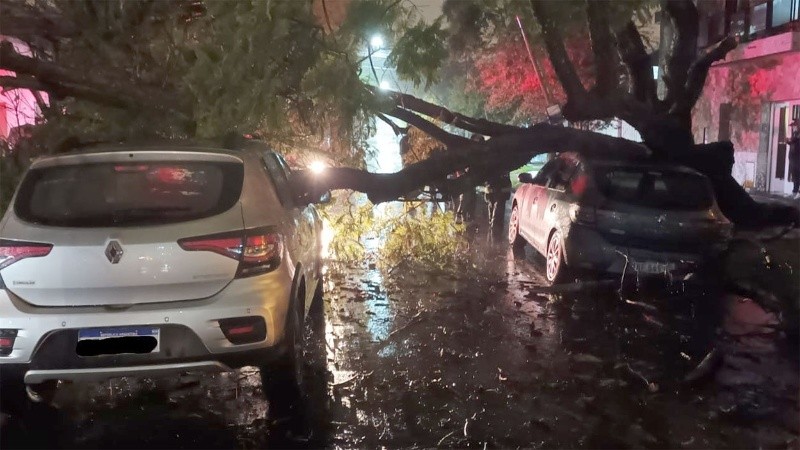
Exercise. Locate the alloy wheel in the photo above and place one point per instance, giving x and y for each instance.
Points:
(513, 225)
(554, 256)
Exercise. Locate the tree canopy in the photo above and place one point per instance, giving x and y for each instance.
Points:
(290, 72)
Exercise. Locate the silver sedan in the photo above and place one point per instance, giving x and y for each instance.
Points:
(617, 216)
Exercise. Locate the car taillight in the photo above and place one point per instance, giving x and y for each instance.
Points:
(225, 246)
(13, 251)
(583, 214)
(262, 253)
(257, 250)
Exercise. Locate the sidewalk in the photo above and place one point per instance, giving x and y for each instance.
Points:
(768, 197)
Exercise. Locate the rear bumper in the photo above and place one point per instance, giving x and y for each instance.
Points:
(586, 248)
(190, 333)
(150, 367)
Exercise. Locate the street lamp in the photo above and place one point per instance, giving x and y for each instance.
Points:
(384, 85)
(317, 167)
(376, 42)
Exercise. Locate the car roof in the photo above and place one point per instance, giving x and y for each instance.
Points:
(163, 146)
(596, 161)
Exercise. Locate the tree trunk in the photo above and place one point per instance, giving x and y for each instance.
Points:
(671, 140)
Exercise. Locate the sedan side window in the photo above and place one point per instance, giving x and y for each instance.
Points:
(280, 178)
(561, 178)
(544, 175)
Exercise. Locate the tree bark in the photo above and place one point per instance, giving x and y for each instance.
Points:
(65, 82)
(605, 58)
(500, 154)
(634, 55)
(471, 124)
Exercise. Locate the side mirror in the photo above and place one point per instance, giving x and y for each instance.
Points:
(525, 177)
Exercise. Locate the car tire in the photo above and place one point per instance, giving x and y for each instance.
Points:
(555, 266)
(515, 239)
(315, 348)
(282, 379)
(316, 313)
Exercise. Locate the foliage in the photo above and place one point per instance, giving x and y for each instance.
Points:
(434, 240)
(416, 234)
(207, 69)
(419, 53)
(486, 37)
(11, 169)
(12, 166)
(416, 146)
(348, 225)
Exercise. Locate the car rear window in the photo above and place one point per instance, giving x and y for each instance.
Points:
(654, 188)
(128, 194)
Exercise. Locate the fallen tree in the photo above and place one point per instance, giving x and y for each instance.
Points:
(622, 88)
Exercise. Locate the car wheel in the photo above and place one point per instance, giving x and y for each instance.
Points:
(556, 268)
(514, 238)
(281, 379)
(315, 349)
(316, 313)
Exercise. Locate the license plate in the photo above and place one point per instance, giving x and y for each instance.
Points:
(652, 267)
(99, 334)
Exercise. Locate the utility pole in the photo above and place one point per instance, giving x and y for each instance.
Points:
(535, 63)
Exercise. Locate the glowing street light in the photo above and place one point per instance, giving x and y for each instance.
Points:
(376, 41)
(317, 167)
(384, 85)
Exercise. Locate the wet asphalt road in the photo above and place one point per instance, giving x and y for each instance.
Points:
(419, 359)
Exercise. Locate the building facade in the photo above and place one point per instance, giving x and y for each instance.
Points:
(19, 108)
(752, 95)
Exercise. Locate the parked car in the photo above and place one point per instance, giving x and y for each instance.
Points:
(154, 260)
(616, 216)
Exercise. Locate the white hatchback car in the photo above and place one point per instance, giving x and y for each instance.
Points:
(154, 260)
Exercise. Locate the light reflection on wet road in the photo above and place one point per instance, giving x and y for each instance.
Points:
(422, 359)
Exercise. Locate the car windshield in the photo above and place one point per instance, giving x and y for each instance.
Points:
(128, 194)
(654, 188)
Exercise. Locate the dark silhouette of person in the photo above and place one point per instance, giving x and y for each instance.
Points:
(498, 191)
(794, 156)
(465, 209)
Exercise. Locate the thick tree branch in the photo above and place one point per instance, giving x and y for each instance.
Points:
(427, 127)
(684, 20)
(63, 90)
(605, 57)
(30, 83)
(497, 155)
(698, 73)
(634, 55)
(65, 82)
(471, 124)
(398, 130)
(554, 42)
(21, 20)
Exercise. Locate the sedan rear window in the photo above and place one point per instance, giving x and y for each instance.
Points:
(654, 188)
(128, 194)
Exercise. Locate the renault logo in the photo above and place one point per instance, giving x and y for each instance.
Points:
(114, 252)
